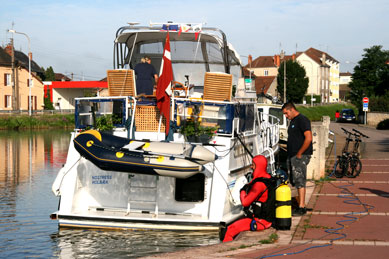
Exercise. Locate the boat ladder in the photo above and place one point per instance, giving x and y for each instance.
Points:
(143, 194)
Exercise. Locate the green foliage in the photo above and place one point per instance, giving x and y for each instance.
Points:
(270, 240)
(316, 113)
(296, 81)
(49, 74)
(316, 97)
(48, 105)
(379, 103)
(37, 121)
(383, 125)
(193, 128)
(105, 122)
(371, 75)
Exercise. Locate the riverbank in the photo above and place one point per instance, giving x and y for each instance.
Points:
(40, 121)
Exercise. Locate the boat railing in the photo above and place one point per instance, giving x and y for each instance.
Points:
(270, 130)
(89, 109)
(226, 117)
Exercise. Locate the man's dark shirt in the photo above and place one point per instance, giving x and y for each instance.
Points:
(144, 78)
(298, 125)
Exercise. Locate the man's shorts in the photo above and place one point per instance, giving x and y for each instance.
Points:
(297, 169)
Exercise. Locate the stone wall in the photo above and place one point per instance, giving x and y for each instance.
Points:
(373, 118)
(316, 167)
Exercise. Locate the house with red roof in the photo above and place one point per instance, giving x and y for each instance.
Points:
(265, 69)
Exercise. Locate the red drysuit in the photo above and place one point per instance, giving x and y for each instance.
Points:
(260, 165)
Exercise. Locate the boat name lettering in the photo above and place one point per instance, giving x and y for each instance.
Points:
(101, 179)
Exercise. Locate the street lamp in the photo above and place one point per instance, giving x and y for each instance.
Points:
(282, 55)
(29, 68)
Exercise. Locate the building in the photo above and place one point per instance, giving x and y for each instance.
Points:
(62, 93)
(16, 96)
(321, 69)
(265, 69)
(344, 89)
(323, 73)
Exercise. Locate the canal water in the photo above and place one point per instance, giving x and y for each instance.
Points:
(29, 162)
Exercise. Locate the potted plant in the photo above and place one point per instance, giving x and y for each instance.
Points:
(105, 122)
(193, 131)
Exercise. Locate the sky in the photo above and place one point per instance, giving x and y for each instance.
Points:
(76, 36)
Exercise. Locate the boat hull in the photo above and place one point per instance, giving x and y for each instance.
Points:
(145, 223)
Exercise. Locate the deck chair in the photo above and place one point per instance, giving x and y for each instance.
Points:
(121, 82)
(217, 86)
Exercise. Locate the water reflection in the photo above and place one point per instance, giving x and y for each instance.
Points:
(25, 152)
(126, 244)
(29, 163)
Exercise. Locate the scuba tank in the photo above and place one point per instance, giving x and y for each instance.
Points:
(283, 206)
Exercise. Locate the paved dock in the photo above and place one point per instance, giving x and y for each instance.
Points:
(348, 217)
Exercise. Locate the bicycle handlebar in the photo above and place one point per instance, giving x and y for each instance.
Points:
(347, 132)
(360, 133)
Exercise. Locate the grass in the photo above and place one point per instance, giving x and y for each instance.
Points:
(316, 113)
(16, 122)
(270, 240)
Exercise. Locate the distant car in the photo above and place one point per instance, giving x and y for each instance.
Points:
(347, 115)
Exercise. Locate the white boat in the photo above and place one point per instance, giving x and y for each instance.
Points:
(98, 195)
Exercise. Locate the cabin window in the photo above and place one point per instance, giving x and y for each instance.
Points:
(278, 113)
(190, 189)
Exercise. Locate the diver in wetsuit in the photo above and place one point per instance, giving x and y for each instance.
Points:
(254, 192)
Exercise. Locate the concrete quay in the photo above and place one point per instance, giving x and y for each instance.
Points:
(347, 218)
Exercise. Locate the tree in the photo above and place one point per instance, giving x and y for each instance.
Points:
(296, 81)
(371, 75)
(49, 76)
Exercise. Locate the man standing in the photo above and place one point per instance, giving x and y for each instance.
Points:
(145, 74)
(299, 152)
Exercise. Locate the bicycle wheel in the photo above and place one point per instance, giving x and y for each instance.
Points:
(355, 167)
(341, 166)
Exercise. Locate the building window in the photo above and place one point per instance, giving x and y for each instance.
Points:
(265, 72)
(29, 83)
(7, 101)
(7, 79)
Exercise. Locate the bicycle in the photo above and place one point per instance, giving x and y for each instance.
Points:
(355, 164)
(342, 162)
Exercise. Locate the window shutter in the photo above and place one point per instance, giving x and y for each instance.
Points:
(5, 79)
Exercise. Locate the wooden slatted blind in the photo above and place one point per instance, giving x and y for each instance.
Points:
(217, 86)
(121, 82)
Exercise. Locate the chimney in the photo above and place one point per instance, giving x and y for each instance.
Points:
(323, 58)
(277, 60)
(294, 57)
(8, 49)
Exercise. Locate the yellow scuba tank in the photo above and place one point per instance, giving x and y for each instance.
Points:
(283, 207)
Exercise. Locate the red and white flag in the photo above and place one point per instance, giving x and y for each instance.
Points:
(197, 29)
(183, 28)
(164, 83)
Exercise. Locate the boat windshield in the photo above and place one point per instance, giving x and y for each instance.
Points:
(191, 55)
